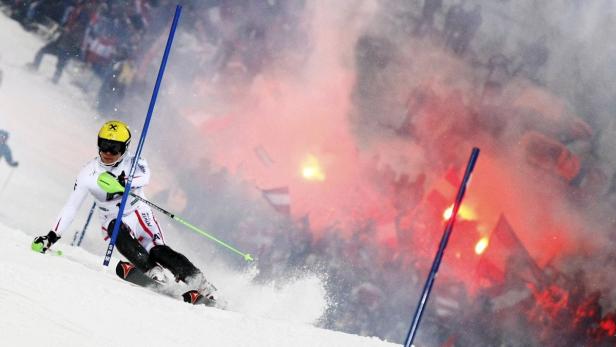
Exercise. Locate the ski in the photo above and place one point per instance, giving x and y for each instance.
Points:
(130, 273)
(195, 298)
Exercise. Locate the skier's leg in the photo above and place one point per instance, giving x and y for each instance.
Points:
(183, 269)
(131, 248)
(148, 232)
(176, 262)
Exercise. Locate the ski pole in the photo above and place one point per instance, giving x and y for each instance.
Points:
(441, 250)
(6, 181)
(144, 132)
(109, 184)
(77, 241)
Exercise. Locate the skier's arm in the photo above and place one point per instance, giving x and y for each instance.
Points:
(141, 178)
(72, 205)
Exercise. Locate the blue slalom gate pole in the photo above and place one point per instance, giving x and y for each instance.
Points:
(144, 132)
(441, 250)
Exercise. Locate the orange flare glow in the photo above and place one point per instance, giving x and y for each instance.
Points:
(482, 245)
(464, 212)
(311, 169)
(448, 212)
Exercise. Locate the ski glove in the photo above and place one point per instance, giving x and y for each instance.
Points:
(43, 243)
(122, 179)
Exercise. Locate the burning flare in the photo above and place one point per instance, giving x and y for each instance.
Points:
(464, 212)
(311, 169)
(482, 245)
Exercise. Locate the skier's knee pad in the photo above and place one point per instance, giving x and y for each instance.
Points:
(131, 248)
(176, 262)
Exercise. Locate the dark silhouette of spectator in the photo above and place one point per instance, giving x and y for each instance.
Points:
(533, 58)
(426, 22)
(470, 21)
(100, 40)
(139, 14)
(496, 79)
(120, 33)
(68, 43)
(5, 150)
(588, 313)
(42, 11)
(19, 9)
(115, 83)
(453, 23)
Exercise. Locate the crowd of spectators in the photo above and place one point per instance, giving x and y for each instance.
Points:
(511, 107)
(373, 287)
(118, 40)
(104, 36)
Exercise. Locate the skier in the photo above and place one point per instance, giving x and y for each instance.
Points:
(140, 238)
(5, 150)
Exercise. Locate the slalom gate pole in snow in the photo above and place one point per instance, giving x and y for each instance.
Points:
(144, 132)
(79, 235)
(441, 250)
(106, 180)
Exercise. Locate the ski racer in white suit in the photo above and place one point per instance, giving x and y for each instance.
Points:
(140, 238)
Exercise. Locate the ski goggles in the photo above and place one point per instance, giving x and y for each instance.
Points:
(111, 147)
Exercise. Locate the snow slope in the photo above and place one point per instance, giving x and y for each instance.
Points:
(73, 300)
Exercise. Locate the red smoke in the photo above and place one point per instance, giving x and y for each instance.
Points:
(272, 127)
(290, 123)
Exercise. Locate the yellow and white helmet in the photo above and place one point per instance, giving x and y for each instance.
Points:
(114, 137)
